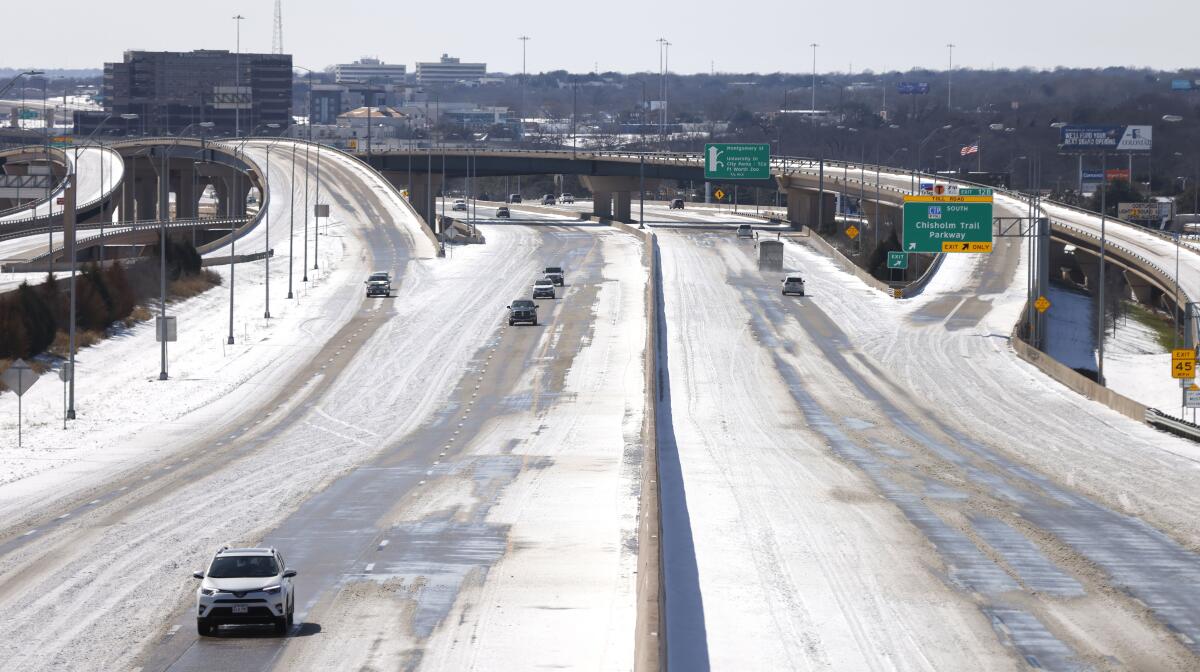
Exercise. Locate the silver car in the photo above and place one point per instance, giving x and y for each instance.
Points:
(793, 284)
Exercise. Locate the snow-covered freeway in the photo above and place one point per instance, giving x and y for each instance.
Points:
(99, 170)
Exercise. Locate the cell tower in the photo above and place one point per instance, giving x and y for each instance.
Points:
(277, 37)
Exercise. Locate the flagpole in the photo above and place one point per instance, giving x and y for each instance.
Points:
(978, 156)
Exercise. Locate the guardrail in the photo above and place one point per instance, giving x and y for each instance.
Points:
(104, 196)
(1187, 430)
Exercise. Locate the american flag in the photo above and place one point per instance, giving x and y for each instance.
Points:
(972, 148)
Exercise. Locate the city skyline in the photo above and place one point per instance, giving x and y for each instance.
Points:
(709, 37)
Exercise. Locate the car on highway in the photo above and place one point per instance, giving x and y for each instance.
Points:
(245, 586)
(566, 198)
(502, 211)
(522, 311)
(459, 204)
(548, 199)
(543, 288)
(514, 198)
(555, 274)
(379, 284)
(793, 284)
(677, 204)
(745, 231)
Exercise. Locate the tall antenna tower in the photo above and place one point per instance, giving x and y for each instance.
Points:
(277, 37)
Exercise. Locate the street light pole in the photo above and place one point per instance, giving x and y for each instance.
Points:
(1103, 223)
(950, 77)
(164, 191)
(291, 223)
(316, 219)
(813, 108)
(237, 85)
(521, 114)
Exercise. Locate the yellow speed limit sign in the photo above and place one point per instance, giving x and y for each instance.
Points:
(1183, 363)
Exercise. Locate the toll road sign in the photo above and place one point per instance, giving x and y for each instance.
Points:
(737, 161)
(1042, 304)
(1183, 363)
(947, 224)
(897, 260)
(852, 232)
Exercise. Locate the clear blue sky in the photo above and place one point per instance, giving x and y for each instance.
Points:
(620, 34)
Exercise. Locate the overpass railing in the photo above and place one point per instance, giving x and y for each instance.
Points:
(104, 196)
(60, 155)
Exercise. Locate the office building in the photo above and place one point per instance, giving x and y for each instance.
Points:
(370, 70)
(450, 70)
(171, 92)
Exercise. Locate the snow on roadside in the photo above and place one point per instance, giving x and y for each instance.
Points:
(125, 416)
(59, 615)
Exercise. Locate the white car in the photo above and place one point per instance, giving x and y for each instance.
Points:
(543, 288)
(745, 231)
(793, 284)
(245, 585)
(566, 198)
(460, 204)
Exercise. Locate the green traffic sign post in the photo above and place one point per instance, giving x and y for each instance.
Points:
(737, 161)
(897, 260)
(934, 224)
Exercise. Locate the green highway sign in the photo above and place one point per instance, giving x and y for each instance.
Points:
(737, 161)
(974, 192)
(897, 260)
(947, 224)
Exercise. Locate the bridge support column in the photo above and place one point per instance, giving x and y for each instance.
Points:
(602, 204)
(424, 196)
(1143, 291)
(146, 188)
(187, 200)
(622, 206)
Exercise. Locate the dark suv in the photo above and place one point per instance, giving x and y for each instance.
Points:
(523, 311)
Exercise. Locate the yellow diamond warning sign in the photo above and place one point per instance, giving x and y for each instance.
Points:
(1042, 304)
(852, 232)
(719, 194)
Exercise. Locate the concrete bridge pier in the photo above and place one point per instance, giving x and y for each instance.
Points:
(1144, 292)
(187, 196)
(804, 209)
(423, 196)
(145, 189)
(612, 197)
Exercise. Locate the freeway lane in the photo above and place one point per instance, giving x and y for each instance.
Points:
(382, 555)
(99, 171)
(872, 482)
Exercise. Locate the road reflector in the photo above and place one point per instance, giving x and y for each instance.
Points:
(1042, 304)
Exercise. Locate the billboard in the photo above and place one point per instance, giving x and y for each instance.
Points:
(1181, 85)
(1119, 138)
(1091, 177)
(1144, 211)
(912, 88)
(1114, 174)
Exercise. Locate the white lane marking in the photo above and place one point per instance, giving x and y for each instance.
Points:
(370, 566)
(29, 533)
(93, 502)
(383, 543)
(123, 488)
(174, 629)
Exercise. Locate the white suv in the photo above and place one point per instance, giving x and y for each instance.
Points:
(245, 585)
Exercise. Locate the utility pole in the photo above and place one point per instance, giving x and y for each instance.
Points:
(950, 77)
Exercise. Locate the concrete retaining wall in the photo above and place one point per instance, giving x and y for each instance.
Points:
(845, 263)
(1077, 382)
